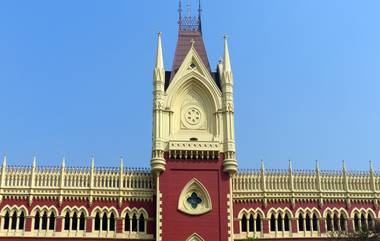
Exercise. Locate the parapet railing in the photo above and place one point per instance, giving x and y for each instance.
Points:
(69, 182)
(306, 184)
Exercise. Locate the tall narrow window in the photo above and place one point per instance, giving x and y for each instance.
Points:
(329, 223)
(67, 221)
(112, 222)
(315, 222)
(308, 222)
(82, 221)
(52, 221)
(370, 222)
(251, 223)
(336, 222)
(272, 223)
(287, 222)
(342, 222)
(300, 223)
(356, 222)
(6, 221)
(141, 223)
(44, 221)
(22, 221)
(127, 224)
(258, 223)
(14, 221)
(279, 223)
(244, 223)
(97, 222)
(37, 221)
(134, 223)
(105, 222)
(363, 222)
(74, 222)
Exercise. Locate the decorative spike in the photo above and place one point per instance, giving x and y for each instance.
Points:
(262, 166)
(290, 167)
(159, 56)
(317, 168)
(344, 166)
(34, 163)
(5, 161)
(121, 163)
(92, 162)
(63, 162)
(371, 168)
(226, 59)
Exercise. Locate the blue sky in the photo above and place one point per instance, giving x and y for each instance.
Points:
(76, 79)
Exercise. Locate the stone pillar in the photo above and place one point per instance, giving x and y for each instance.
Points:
(294, 226)
(89, 222)
(58, 226)
(119, 225)
(322, 225)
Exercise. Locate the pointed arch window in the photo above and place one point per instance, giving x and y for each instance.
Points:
(52, 221)
(194, 199)
(14, 221)
(272, 223)
(74, 223)
(97, 222)
(308, 222)
(134, 223)
(21, 223)
(336, 222)
(371, 224)
(37, 221)
(363, 222)
(67, 221)
(6, 220)
(244, 223)
(82, 222)
(258, 223)
(141, 223)
(343, 222)
(112, 222)
(127, 223)
(286, 222)
(300, 223)
(44, 221)
(356, 222)
(315, 222)
(104, 222)
(251, 223)
(329, 222)
(279, 223)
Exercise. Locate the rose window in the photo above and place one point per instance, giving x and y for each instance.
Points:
(193, 116)
(194, 200)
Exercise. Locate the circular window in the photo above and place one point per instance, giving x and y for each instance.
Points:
(193, 116)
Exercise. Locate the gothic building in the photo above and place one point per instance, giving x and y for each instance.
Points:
(194, 190)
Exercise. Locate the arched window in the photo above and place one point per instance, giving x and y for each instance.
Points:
(329, 223)
(37, 221)
(371, 225)
(336, 222)
(14, 221)
(74, 222)
(279, 223)
(6, 221)
(258, 223)
(112, 222)
(82, 221)
(244, 223)
(272, 223)
(67, 221)
(142, 223)
(286, 222)
(300, 223)
(342, 222)
(134, 223)
(308, 222)
(356, 222)
(127, 224)
(44, 221)
(315, 222)
(97, 222)
(104, 222)
(363, 222)
(251, 223)
(52, 221)
(21, 223)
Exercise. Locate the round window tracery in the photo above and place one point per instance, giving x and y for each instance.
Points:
(193, 116)
(194, 199)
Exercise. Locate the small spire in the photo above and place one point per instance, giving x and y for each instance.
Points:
(159, 56)
(290, 167)
(317, 168)
(63, 162)
(371, 168)
(344, 166)
(121, 162)
(5, 161)
(226, 59)
(92, 162)
(179, 12)
(34, 163)
(262, 166)
(192, 42)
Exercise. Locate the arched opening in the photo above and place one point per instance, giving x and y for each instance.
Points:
(356, 222)
(112, 222)
(21, 223)
(308, 222)
(363, 223)
(329, 223)
(52, 221)
(37, 221)
(315, 222)
(104, 222)
(300, 223)
(6, 221)
(272, 223)
(74, 223)
(279, 223)
(82, 221)
(336, 222)
(142, 223)
(67, 221)
(97, 222)
(251, 223)
(14, 221)
(258, 223)
(286, 222)
(244, 223)
(371, 224)
(127, 224)
(342, 222)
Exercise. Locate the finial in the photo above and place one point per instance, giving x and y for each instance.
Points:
(34, 163)
(290, 166)
(262, 165)
(121, 162)
(344, 165)
(371, 168)
(317, 166)
(159, 56)
(179, 12)
(5, 161)
(226, 59)
(188, 9)
(63, 162)
(192, 41)
(92, 161)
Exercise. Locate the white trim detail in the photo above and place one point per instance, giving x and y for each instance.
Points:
(194, 186)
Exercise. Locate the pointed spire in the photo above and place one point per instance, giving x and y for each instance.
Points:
(159, 56)
(121, 163)
(226, 59)
(92, 162)
(317, 168)
(5, 161)
(63, 162)
(290, 167)
(344, 166)
(180, 12)
(34, 163)
(371, 168)
(262, 166)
